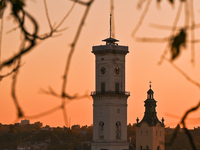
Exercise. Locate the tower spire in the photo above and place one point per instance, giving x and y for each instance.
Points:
(111, 40)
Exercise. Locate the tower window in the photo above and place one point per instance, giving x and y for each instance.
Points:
(117, 87)
(103, 87)
(102, 58)
(118, 111)
(101, 125)
(158, 148)
(117, 58)
(118, 131)
(101, 130)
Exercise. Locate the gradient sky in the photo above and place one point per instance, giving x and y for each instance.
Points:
(44, 66)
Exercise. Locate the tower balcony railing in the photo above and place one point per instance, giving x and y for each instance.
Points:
(110, 141)
(110, 92)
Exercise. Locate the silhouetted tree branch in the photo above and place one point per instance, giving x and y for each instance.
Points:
(175, 41)
(30, 41)
(184, 125)
(142, 16)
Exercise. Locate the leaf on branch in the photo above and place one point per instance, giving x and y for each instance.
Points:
(178, 41)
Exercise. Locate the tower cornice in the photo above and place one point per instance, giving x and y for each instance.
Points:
(110, 49)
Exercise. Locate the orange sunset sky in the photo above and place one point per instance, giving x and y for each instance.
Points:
(44, 66)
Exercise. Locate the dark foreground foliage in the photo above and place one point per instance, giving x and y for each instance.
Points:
(76, 138)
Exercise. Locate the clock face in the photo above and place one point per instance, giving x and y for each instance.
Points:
(103, 70)
(117, 70)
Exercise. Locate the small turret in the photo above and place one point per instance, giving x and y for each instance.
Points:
(150, 115)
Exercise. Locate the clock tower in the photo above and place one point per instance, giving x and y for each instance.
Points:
(110, 97)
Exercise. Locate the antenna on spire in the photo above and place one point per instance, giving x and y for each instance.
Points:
(110, 25)
(111, 40)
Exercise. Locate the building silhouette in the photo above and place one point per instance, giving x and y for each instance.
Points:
(150, 131)
(25, 122)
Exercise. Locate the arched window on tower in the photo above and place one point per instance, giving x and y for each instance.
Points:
(141, 147)
(101, 130)
(118, 130)
(158, 148)
(147, 147)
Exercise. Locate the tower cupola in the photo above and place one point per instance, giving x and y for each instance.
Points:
(111, 41)
(150, 115)
(150, 93)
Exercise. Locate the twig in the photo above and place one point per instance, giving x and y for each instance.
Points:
(45, 113)
(14, 81)
(178, 117)
(183, 73)
(141, 18)
(30, 38)
(67, 96)
(1, 34)
(82, 2)
(192, 32)
(65, 113)
(65, 17)
(47, 15)
(176, 130)
(12, 71)
(175, 133)
(65, 76)
(156, 40)
(165, 27)
(184, 125)
(172, 32)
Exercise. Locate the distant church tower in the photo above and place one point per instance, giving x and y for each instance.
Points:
(110, 97)
(150, 131)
